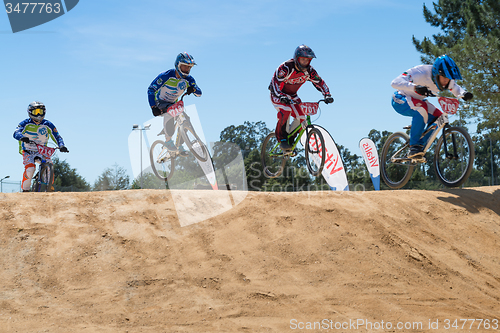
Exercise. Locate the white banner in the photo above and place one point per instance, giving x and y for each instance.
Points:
(208, 169)
(333, 171)
(371, 159)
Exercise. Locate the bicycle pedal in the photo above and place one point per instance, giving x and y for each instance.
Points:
(419, 159)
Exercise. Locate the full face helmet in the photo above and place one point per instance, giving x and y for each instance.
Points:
(303, 51)
(445, 66)
(36, 111)
(184, 59)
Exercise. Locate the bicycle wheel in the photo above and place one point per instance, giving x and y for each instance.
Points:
(315, 151)
(195, 145)
(273, 161)
(35, 183)
(454, 169)
(396, 169)
(161, 161)
(44, 179)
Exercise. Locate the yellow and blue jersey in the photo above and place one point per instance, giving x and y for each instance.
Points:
(168, 88)
(39, 133)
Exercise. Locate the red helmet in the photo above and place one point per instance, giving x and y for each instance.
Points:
(302, 51)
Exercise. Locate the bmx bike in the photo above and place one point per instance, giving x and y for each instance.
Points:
(43, 179)
(274, 158)
(162, 159)
(453, 153)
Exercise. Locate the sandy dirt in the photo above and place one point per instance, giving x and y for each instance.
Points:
(276, 262)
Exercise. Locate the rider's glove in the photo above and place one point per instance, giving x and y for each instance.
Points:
(64, 149)
(25, 139)
(328, 99)
(285, 100)
(468, 96)
(190, 90)
(156, 110)
(424, 91)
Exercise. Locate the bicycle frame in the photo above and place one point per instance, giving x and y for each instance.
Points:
(41, 160)
(301, 128)
(178, 112)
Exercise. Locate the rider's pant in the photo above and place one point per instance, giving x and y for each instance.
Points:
(284, 112)
(422, 113)
(168, 125)
(29, 168)
(168, 120)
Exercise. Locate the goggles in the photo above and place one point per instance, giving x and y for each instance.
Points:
(38, 112)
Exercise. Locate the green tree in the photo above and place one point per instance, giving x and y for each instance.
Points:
(67, 178)
(149, 180)
(115, 178)
(487, 155)
(471, 36)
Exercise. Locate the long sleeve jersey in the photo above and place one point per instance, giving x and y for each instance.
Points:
(39, 133)
(421, 76)
(168, 88)
(287, 80)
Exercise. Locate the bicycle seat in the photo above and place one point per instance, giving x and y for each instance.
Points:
(407, 127)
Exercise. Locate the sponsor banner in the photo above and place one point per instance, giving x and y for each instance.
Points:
(333, 171)
(370, 155)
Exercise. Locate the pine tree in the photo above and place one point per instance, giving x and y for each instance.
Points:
(471, 36)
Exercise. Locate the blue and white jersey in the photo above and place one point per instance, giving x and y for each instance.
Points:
(168, 88)
(40, 133)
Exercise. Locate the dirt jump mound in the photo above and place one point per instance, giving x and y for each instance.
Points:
(388, 261)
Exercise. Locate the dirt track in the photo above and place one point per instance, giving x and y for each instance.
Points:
(121, 262)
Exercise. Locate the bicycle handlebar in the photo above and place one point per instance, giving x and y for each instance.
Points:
(33, 142)
(321, 100)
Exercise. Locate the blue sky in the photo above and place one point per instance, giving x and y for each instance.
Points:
(92, 66)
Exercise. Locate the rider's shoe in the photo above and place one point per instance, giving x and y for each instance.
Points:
(285, 146)
(171, 145)
(416, 151)
(183, 152)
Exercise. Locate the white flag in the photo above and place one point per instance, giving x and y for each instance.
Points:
(372, 161)
(333, 171)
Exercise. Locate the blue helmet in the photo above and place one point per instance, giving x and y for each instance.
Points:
(302, 51)
(445, 66)
(186, 59)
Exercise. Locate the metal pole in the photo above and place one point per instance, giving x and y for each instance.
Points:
(1, 183)
(141, 159)
(492, 175)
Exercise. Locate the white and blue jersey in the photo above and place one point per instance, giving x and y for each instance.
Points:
(167, 88)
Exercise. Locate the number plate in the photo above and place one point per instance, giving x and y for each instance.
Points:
(449, 105)
(176, 109)
(46, 151)
(309, 108)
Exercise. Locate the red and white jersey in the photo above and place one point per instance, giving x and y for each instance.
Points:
(421, 76)
(287, 80)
